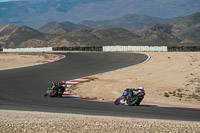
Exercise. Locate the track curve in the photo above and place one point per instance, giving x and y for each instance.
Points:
(23, 88)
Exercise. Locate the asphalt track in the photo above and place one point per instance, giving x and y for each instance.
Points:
(23, 88)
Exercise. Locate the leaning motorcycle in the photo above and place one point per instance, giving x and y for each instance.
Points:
(55, 91)
(132, 97)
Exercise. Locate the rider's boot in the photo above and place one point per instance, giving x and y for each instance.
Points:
(122, 101)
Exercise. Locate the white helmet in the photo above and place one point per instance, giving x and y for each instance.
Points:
(140, 88)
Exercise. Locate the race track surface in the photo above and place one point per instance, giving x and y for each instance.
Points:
(23, 88)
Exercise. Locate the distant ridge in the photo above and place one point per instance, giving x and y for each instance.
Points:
(59, 31)
(129, 22)
(34, 13)
(184, 31)
(49, 27)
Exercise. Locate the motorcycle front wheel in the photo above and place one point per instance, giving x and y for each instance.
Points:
(117, 101)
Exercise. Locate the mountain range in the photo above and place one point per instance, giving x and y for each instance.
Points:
(182, 31)
(128, 21)
(35, 13)
(185, 29)
(51, 26)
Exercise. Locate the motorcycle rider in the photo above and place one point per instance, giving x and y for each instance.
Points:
(60, 86)
(128, 91)
(63, 84)
(139, 88)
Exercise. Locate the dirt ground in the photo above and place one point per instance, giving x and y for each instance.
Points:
(16, 60)
(38, 122)
(169, 78)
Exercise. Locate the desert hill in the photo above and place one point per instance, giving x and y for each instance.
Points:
(186, 29)
(183, 31)
(13, 36)
(49, 27)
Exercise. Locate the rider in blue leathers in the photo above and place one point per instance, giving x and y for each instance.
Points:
(128, 91)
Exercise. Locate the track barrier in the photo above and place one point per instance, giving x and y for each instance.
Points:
(109, 49)
(28, 49)
(184, 48)
(90, 48)
(134, 48)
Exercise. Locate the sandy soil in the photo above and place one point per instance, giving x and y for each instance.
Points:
(16, 60)
(169, 79)
(38, 122)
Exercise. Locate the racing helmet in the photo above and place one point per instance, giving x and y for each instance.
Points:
(63, 82)
(140, 88)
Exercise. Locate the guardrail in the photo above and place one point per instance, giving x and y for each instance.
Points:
(134, 48)
(108, 49)
(28, 49)
(90, 48)
(184, 48)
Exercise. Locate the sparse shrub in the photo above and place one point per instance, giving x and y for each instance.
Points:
(187, 84)
(197, 89)
(179, 95)
(195, 96)
(179, 90)
(174, 93)
(166, 94)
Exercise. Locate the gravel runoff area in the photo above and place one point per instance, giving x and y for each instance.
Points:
(39, 122)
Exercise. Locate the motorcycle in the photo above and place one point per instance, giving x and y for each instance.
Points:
(55, 90)
(132, 97)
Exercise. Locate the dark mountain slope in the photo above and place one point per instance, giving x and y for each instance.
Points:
(186, 29)
(129, 22)
(49, 27)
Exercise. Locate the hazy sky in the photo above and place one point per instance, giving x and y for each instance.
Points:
(4, 0)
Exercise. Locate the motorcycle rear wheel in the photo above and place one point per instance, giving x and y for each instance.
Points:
(133, 101)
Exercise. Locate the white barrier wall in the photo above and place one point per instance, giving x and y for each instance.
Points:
(135, 48)
(28, 49)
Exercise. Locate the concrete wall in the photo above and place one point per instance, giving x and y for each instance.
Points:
(134, 48)
(29, 49)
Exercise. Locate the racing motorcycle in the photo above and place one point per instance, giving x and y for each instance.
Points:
(55, 90)
(131, 97)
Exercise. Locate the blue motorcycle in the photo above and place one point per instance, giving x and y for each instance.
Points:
(131, 97)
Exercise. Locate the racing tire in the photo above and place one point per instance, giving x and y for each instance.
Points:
(117, 101)
(133, 101)
(139, 101)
